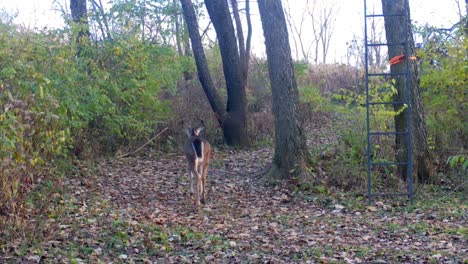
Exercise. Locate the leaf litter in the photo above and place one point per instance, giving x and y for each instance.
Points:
(140, 210)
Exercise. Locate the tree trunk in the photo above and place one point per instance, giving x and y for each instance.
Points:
(177, 29)
(98, 19)
(240, 35)
(235, 123)
(79, 14)
(291, 156)
(395, 29)
(245, 65)
(201, 62)
(465, 30)
(101, 19)
(104, 19)
(244, 48)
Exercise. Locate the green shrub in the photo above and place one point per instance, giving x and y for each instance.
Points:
(53, 103)
(312, 96)
(443, 82)
(348, 167)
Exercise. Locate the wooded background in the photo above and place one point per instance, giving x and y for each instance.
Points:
(116, 75)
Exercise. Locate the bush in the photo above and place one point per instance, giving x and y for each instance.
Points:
(54, 104)
(443, 81)
(347, 167)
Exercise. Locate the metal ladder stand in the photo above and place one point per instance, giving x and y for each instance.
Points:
(370, 134)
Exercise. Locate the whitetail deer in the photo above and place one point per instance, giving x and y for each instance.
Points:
(198, 152)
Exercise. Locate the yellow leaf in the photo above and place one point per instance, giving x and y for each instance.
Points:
(41, 91)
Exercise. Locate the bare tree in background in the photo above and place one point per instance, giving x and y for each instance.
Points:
(300, 44)
(313, 44)
(376, 35)
(323, 25)
(355, 52)
(466, 22)
(101, 19)
(182, 39)
(178, 29)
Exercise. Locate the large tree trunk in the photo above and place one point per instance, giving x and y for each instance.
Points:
(201, 62)
(79, 14)
(235, 123)
(395, 29)
(291, 156)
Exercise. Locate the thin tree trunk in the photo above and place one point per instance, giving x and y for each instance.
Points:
(99, 20)
(291, 156)
(395, 29)
(244, 48)
(79, 14)
(291, 25)
(202, 65)
(187, 51)
(177, 29)
(143, 21)
(103, 20)
(239, 33)
(245, 67)
(235, 123)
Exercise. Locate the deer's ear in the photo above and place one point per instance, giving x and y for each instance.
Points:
(188, 132)
(197, 130)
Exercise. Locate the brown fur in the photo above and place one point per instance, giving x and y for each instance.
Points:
(198, 166)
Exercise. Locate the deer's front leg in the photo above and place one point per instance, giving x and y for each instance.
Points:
(199, 188)
(200, 181)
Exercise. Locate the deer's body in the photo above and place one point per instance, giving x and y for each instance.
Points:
(197, 150)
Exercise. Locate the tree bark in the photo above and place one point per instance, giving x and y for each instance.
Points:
(395, 29)
(102, 20)
(98, 19)
(465, 30)
(244, 46)
(180, 50)
(240, 35)
(291, 156)
(79, 14)
(202, 65)
(235, 122)
(245, 66)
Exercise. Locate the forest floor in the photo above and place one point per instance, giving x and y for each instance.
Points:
(140, 210)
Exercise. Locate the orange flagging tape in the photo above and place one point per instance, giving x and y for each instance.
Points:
(399, 58)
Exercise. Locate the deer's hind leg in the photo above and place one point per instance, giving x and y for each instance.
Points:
(191, 178)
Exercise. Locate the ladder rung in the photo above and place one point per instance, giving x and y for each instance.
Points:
(386, 74)
(385, 44)
(387, 133)
(385, 103)
(382, 15)
(388, 163)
